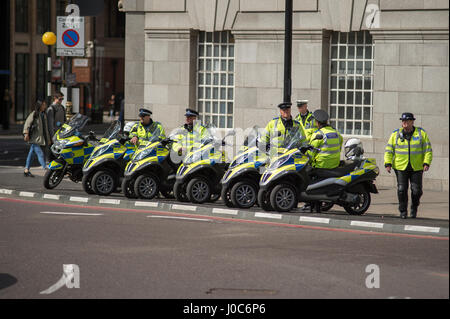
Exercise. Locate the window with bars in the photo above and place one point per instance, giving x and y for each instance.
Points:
(215, 78)
(351, 82)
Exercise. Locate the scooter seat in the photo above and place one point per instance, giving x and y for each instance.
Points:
(334, 172)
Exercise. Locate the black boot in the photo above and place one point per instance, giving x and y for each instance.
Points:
(413, 212)
(403, 215)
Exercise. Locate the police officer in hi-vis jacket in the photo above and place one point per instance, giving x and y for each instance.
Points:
(409, 153)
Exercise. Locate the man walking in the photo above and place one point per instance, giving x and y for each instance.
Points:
(409, 153)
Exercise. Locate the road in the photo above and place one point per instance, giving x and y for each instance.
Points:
(129, 254)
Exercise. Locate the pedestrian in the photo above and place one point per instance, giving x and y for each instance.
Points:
(122, 114)
(56, 114)
(35, 131)
(409, 153)
(111, 106)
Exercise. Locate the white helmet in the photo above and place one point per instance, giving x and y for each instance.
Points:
(128, 126)
(353, 147)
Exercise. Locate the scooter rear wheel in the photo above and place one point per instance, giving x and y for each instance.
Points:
(361, 207)
(146, 186)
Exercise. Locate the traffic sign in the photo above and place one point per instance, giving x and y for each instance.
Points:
(70, 36)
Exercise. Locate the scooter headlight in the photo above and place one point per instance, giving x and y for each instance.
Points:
(58, 146)
(280, 162)
(100, 151)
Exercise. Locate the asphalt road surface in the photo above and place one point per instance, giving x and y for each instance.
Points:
(129, 254)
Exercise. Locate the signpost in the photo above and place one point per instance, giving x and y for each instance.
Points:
(70, 36)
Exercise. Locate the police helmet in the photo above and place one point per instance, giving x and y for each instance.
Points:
(353, 147)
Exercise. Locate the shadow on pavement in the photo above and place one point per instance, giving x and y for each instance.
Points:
(7, 281)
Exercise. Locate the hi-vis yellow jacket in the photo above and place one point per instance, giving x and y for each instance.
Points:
(146, 133)
(309, 124)
(330, 148)
(186, 139)
(399, 151)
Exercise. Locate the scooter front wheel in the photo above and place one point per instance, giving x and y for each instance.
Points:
(53, 178)
(179, 191)
(128, 187)
(264, 200)
(226, 197)
(86, 182)
(103, 183)
(198, 190)
(361, 207)
(244, 194)
(146, 186)
(283, 198)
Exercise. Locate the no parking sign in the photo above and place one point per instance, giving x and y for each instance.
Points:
(70, 36)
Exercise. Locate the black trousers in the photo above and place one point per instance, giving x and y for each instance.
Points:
(404, 178)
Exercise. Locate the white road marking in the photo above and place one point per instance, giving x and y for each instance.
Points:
(109, 201)
(184, 207)
(70, 214)
(79, 199)
(319, 220)
(267, 215)
(6, 191)
(224, 211)
(26, 194)
(146, 204)
(51, 196)
(183, 218)
(423, 229)
(366, 224)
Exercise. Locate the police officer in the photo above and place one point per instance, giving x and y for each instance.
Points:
(409, 153)
(330, 144)
(280, 127)
(146, 128)
(190, 133)
(306, 118)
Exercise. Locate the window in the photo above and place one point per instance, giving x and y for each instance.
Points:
(351, 82)
(21, 16)
(43, 16)
(22, 86)
(215, 78)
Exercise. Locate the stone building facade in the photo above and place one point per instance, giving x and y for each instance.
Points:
(365, 62)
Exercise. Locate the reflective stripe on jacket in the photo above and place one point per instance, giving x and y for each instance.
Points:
(399, 151)
(330, 148)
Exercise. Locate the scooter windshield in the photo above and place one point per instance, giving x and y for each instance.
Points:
(294, 139)
(76, 123)
(113, 131)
